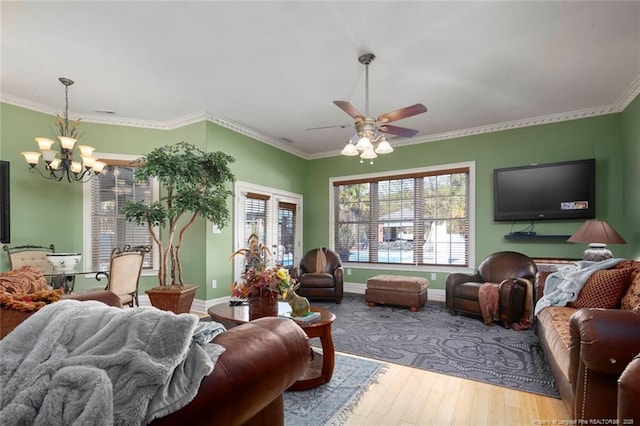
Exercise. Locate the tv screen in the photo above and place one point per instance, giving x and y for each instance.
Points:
(564, 190)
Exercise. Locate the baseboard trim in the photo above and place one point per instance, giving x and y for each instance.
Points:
(201, 306)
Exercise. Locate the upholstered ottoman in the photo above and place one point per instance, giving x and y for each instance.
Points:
(397, 290)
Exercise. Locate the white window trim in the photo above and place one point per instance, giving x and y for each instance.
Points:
(86, 215)
(276, 195)
(471, 165)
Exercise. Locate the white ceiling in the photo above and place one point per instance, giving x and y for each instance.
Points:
(272, 69)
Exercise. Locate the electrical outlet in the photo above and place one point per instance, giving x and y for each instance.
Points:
(214, 283)
(348, 271)
(433, 276)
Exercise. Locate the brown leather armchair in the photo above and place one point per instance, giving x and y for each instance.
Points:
(320, 279)
(509, 269)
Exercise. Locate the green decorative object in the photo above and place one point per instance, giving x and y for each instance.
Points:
(299, 305)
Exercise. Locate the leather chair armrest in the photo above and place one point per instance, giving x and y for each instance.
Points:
(541, 277)
(262, 359)
(629, 393)
(513, 293)
(338, 276)
(604, 340)
(456, 279)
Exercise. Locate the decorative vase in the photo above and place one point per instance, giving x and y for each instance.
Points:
(263, 306)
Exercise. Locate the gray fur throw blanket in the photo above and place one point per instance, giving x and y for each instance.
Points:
(80, 363)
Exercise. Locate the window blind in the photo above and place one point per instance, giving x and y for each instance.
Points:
(110, 228)
(420, 219)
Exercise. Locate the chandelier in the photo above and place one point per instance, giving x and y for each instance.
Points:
(59, 165)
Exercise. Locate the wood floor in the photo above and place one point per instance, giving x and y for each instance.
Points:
(408, 396)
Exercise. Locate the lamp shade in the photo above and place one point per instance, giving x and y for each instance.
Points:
(349, 150)
(596, 232)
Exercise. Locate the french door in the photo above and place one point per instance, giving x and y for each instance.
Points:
(275, 217)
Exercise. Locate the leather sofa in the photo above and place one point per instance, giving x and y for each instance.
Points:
(327, 283)
(262, 359)
(245, 387)
(587, 350)
(508, 269)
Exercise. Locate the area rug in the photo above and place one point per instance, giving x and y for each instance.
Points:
(331, 403)
(434, 340)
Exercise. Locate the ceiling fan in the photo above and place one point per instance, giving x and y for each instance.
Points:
(372, 130)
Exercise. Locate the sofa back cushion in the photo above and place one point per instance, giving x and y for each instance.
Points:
(604, 289)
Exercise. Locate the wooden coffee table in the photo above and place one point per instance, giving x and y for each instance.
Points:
(320, 369)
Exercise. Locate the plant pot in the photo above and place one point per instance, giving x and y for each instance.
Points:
(174, 298)
(263, 307)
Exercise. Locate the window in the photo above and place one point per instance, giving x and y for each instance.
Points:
(418, 217)
(286, 234)
(105, 227)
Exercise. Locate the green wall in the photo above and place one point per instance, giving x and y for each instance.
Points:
(631, 167)
(600, 138)
(44, 211)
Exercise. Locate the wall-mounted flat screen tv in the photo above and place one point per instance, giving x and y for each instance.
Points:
(565, 190)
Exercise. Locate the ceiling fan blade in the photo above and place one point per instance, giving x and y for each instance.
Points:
(398, 131)
(402, 113)
(342, 126)
(348, 108)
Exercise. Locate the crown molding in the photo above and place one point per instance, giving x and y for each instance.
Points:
(255, 135)
(158, 125)
(629, 95)
(625, 99)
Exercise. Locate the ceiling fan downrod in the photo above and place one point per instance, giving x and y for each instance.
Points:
(365, 60)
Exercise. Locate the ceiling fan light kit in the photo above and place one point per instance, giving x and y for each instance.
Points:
(370, 132)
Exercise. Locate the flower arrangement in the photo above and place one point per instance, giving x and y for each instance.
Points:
(258, 280)
(269, 282)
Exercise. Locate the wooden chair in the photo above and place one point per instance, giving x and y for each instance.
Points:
(30, 256)
(124, 273)
(35, 256)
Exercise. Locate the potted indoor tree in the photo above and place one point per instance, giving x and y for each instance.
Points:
(194, 184)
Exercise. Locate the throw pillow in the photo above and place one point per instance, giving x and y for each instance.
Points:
(603, 289)
(631, 299)
(27, 279)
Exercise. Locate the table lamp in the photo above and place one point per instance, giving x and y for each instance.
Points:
(597, 233)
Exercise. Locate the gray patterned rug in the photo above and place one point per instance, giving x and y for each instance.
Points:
(331, 403)
(433, 340)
